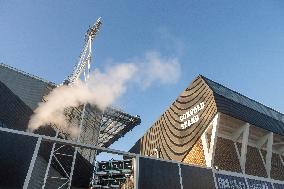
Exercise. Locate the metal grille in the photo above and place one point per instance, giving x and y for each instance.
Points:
(114, 125)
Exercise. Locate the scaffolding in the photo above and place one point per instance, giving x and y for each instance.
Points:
(96, 127)
(83, 66)
(113, 125)
(62, 142)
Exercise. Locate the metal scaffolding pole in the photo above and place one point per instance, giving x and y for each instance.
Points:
(82, 66)
(60, 142)
(49, 162)
(31, 167)
(76, 148)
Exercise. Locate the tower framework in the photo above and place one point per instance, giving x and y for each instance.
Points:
(83, 66)
(95, 127)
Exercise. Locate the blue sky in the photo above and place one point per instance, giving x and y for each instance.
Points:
(237, 43)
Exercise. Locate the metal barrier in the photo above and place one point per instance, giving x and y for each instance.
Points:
(42, 138)
(148, 172)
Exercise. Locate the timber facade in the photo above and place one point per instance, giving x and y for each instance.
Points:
(240, 140)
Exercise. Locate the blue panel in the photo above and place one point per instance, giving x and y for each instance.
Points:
(278, 186)
(230, 182)
(257, 184)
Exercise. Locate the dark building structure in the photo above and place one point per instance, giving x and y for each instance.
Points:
(20, 93)
(13, 151)
(16, 151)
(29, 88)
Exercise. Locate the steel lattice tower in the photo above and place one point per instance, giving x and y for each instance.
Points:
(82, 67)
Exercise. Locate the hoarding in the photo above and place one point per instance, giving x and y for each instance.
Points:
(230, 182)
(257, 184)
(234, 182)
(278, 186)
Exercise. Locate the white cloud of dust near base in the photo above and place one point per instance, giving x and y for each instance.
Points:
(104, 88)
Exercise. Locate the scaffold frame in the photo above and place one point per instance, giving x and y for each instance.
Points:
(76, 144)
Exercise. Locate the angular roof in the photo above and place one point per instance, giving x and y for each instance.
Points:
(31, 89)
(15, 114)
(235, 104)
(27, 87)
(239, 98)
(178, 129)
(20, 92)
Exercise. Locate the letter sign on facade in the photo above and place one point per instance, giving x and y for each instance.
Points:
(190, 117)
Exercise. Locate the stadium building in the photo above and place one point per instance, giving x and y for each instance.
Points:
(20, 94)
(238, 141)
(210, 137)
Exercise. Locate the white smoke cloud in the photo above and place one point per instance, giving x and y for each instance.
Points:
(104, 88)
(159, 69)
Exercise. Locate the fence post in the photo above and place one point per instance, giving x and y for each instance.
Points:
(136, 172)
(180, 176)
(31, 167)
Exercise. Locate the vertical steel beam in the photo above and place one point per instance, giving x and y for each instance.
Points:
(94, 158)
(242, 131)
(180, 176)
(136, 172)
(244, 147)
(205, 146)
(209, 149)
(269, 154)
(32, 164)
(214, 137)
(49, 162)
(281, 159)
(76, 148)
(268, 139)
(72, 167)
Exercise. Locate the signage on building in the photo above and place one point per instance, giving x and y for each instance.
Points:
(257, 184)
(278, 186)
(230, 182)
(112, 174)
(233, 182)
(191, 116)
(115, 165)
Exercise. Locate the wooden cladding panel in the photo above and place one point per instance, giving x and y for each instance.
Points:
(254, 164)
(277, 168)
(167, 134)
(196, 155)
(226, 157)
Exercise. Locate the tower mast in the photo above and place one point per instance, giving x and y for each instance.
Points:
(85, 56)
(82, 66)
